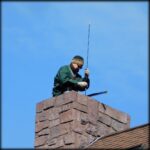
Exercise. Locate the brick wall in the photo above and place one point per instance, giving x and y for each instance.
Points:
(72, 120)
(127, 139)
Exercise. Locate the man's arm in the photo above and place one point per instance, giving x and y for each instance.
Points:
(86, 77)
(66, 78)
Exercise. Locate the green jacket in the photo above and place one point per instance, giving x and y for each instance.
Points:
(66, 80)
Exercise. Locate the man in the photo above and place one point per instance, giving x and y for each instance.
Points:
(68, 78)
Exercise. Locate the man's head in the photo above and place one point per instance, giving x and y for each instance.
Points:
(77, 63)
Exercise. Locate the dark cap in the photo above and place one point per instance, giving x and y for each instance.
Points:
(78, 60)
(78, 57)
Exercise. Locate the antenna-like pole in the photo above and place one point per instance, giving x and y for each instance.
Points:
(87, 59)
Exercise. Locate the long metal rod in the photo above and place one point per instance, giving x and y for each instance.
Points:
(98, 93)
(88, 44)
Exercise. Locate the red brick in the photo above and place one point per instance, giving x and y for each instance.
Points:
(81, 141)
(42, 147)
(69, 96)
(69, 138)
(43, 132)
(53, 113)
(65, 128)
(65, 107)
(65, 98)
(104, 119)
(66, 116)
(93, 109)
(41, 125)
(55, 131)
(49, 114)
(40, 140)
(101, 107)
(90, 138)
(51, 147)
(59, 130)
(54, 123)
(77, 127)
(103, 130)
(76, 114)
(70, 115)
(70, 146)
(84, 118)
(91, 129)
(49, 103)
(120, 116)
(39, 107)
(59, 100)
(41, 116)
(80, 107)
(82, 99)
(60, 142)
(52, 141)
(118, 126)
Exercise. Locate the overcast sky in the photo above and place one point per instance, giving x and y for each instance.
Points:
(40, 37)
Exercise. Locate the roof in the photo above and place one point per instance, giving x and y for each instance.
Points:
(129, 138)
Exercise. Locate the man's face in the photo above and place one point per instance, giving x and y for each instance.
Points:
(76, 67)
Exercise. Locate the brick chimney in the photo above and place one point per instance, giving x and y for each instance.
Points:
(72, 120)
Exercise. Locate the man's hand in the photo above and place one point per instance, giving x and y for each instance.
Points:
(87, 72)
(82, 84)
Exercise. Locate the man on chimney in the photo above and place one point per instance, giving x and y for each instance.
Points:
(68, 78)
